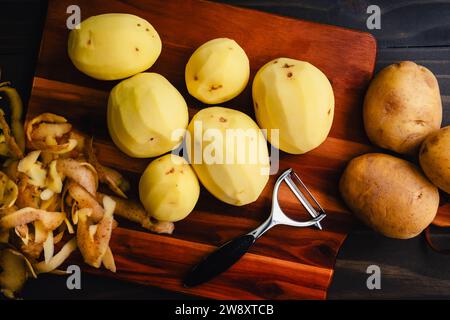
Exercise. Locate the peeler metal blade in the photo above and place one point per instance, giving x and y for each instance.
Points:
(301, 196)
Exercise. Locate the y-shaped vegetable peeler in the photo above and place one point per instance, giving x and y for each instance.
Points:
(229, 253)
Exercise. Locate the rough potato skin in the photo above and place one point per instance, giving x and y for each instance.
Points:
(389, 194)
(435, 158)
(402, 106)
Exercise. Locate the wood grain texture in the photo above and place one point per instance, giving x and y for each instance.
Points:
(19, 42)
(286, 263)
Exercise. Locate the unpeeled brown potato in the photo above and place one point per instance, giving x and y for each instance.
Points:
(435, 158)
(114, 46)
(217, 71)
(168, 188)
(389, 194)
(402, 106)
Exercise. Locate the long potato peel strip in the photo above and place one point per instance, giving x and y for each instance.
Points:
(82, 173)
(108, 260)
(135, 212)
(40, 232)
(54, 181)
(58, 259)
(30, 166)
(49, 248)
(50, 220)
(50, 123)
(93, 239)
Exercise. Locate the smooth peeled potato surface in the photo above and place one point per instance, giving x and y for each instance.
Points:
(435, 158)
(168, 188)
(114, 46)
(389, 194)
(238, 181)
(217, 71)
(402, 106)
(296, 98)
(146, 116)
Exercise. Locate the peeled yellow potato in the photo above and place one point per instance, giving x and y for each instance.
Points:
(402, 106)
(389, 194)
(147, 116)
(435, 158)
(168, 188)
(297, 99)
(114, 46)
(229, 154)
(217, 71)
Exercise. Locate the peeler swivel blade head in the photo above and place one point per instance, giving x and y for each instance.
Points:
(302, 193)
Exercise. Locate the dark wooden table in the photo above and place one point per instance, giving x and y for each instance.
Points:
(410, 30)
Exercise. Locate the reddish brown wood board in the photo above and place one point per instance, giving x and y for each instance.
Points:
(287, 263)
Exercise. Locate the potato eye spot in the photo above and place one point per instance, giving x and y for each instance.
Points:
(215, 87)
(420, 122)
(256, 105)
(172, 170)
(289, 75)
(137, 49)
(329, 111)
(222, 119)
(138, 24)
(147, 29)
(275, 62)
(434, 140)
(287, 66)
(195, 78)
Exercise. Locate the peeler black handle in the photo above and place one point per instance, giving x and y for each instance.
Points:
(219, 261)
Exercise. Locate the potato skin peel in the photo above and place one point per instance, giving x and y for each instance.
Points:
(389, 194)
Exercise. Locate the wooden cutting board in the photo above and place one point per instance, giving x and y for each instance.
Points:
(287, 263)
